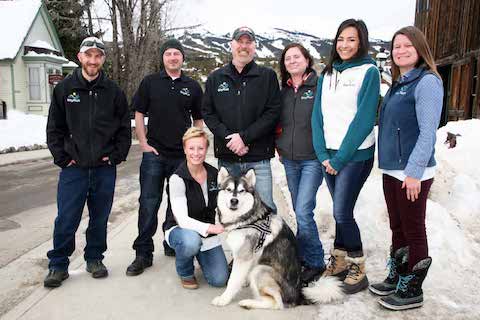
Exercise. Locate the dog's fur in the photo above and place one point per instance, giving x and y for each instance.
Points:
(264, 251)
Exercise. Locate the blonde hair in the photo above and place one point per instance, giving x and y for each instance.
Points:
(194, 132)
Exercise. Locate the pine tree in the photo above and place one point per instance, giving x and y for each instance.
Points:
(67, 18)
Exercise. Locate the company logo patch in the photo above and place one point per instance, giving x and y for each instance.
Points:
(349, 83)
(307, 95)
(185, 92)
(223, 87)
(402, 91)
(73, 97)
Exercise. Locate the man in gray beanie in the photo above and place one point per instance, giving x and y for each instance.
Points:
(172, 102)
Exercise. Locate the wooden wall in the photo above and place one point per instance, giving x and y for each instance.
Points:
(452, 29)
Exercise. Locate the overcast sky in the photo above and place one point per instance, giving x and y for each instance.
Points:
(317, 17)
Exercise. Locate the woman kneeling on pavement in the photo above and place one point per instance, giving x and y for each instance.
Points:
(190, 221)
(342, 125)
(408, 123)
(294, 145)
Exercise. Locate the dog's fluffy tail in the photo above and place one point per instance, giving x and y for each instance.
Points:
(325, 290)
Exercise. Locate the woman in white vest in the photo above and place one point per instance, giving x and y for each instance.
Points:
(342, 127)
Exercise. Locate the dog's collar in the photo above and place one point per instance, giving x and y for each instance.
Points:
(261, 225)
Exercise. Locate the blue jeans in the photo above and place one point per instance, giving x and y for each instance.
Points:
(304, 177)
(344, 189)
(187, 245)
(154, 170)
(263, 174)
(76, 186)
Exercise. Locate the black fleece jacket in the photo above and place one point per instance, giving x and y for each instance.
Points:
(87, 123)
(246, 103)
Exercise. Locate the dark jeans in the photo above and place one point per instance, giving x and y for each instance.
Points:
(304, 177)
(76, 185)
(407, 218)
(344, 189)
(154, 170)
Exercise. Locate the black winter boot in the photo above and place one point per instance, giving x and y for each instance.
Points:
(409, 292)
(397, 264)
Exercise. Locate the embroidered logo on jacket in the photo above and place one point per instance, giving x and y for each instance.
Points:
(73, 97)
(307, 95)
(223, 87)
(402, 91)
(185, 92)
(349, 83)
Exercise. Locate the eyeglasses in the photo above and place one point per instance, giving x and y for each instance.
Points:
(93, 43)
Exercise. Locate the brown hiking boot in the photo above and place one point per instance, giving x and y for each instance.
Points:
(190, 283)
(336, 265)
(356, 279)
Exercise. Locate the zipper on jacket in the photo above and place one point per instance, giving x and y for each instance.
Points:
(399, 146)
(90, 121)
(295, 95)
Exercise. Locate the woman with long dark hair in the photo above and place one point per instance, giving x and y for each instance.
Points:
(342, 125)
(294, 145)
(409, 118)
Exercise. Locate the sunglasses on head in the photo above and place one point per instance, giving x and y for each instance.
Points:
(93, 43)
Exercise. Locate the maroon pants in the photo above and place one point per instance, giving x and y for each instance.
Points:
(407, 218)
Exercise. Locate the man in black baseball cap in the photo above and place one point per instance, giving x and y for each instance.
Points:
(239, 32)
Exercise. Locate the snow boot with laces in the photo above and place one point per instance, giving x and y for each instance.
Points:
(408, 294)
(397, 264)
(336, 265)
(356, 279)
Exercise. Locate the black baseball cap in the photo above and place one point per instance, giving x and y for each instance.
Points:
(243, 31)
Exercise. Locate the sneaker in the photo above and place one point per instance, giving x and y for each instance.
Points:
(311, 274)
(138, 266)
(189, 283)
(356, 279)
(97, 269)
(55, 278)
(169, 252)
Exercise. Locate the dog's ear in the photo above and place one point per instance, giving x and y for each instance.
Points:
(250, 177)
(222, 176)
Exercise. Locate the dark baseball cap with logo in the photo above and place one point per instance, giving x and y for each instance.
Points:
(243, 31)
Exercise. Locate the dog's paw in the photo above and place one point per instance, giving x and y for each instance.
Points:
(246, 303)
(221, 301)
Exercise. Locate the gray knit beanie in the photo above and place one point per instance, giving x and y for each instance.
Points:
(171, 43)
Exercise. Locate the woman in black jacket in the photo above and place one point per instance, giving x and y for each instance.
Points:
(294, 144)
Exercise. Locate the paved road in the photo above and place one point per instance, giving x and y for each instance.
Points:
(34, 184)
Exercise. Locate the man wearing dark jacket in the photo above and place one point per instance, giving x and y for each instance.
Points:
(241, 106)
(172, 102)
(88, 134)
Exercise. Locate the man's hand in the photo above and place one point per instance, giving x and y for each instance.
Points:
(329, 168)
(413, 186)
(215, 229)
(236, 144)
(148, 148)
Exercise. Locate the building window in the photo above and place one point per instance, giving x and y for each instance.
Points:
(34, 83)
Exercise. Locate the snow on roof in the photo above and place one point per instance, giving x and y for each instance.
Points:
(16, 16)
(42, 44)
(45, 55)
(70, 64)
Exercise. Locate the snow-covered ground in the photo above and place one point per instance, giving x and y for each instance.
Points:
(453, 225)
(453, 230)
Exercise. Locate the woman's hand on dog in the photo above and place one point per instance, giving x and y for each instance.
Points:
(215, 229)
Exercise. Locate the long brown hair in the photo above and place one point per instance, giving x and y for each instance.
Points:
(419, 42)
(284, 75)
(363, 44)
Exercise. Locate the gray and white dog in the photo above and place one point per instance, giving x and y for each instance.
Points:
(264, 251)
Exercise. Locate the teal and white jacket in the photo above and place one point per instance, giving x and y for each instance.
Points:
(344, 112)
